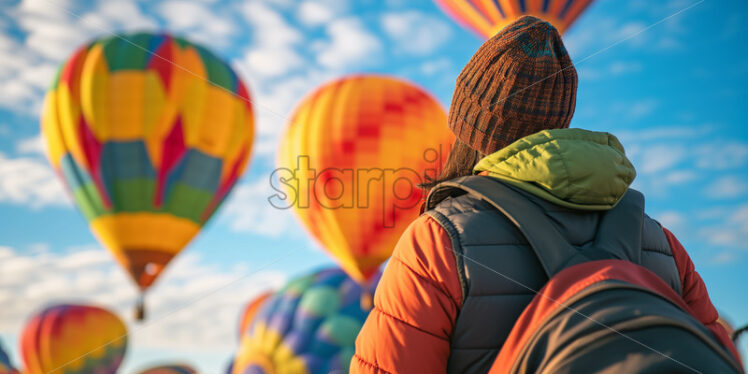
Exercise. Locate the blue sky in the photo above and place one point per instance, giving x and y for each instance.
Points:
(674, 93)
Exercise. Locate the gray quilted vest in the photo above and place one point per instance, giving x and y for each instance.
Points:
(498, 270)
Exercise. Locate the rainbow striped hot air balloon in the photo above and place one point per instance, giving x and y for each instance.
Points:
(358, 147)
(250, 311)
(309, 326)
(149, 132)
(67, 339)
(487, 17)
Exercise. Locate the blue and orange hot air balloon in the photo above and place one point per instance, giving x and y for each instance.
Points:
(309, 326)
(6, 367)
(359, 146)
(149, 132)
(487, 17)
(73, 339)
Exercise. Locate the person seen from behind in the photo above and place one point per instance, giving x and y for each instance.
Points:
(462, 273)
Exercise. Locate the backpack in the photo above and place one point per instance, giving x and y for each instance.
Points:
(600, 311)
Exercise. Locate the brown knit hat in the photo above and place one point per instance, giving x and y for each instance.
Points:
(519, 82)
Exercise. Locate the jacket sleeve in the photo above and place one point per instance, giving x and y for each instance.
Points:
(415, 306)
(695, 294)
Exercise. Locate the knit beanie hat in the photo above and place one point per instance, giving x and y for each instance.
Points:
(519, 82)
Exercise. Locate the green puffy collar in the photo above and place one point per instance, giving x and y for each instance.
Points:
(574, 168)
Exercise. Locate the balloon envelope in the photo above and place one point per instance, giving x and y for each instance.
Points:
(250, 311)
(149, 132)
(170, 369)
(6, 367)
(487, 17)
(358, 147)
(309, 326)
(73, 339)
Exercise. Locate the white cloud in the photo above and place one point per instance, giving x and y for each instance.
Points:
(198, 22)
(113, 15)
(52, 29)
(725, 237)
(193, 305)
(30, 181)
(622, 67)
(723, 258)
(268, 25)
(84, 257)
(616, 68)
(24, 75)
(689, 157)
(642, 108)
(34, 144)
(740, 215)
(600, 32)
(273, 61)
(722, 155)
(20, 96)
(632, 32)
(414, 32)
(660, 133)
(350, 43)
(637, 32)
(314, 13)
(672, 220)
(723, 228)
(727, 187)
(656, 158)
(274, 52)
(679, 176)
(435, 66)
(42, 7)
(731, 228)
(248, 210)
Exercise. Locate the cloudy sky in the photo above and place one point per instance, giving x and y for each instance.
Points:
(668, 79)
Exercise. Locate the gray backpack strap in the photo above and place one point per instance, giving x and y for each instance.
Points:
(551, 248)
(622, 231)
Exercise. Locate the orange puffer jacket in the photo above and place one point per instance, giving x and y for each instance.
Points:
(419, 297)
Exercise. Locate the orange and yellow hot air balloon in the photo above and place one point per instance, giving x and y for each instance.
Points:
(487, 17)
(73, 339)
(350, 162)
(149, 132)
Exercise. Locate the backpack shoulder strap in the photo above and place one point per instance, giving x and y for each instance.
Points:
(619, 233)
(551, 248)
(620, 229)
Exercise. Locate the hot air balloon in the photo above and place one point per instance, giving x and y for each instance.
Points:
(170, 369)
(350, 162)
(149, 132)
(250, 311)
(309, 326)
(73, 339)
(6, 367)
(487, 17)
